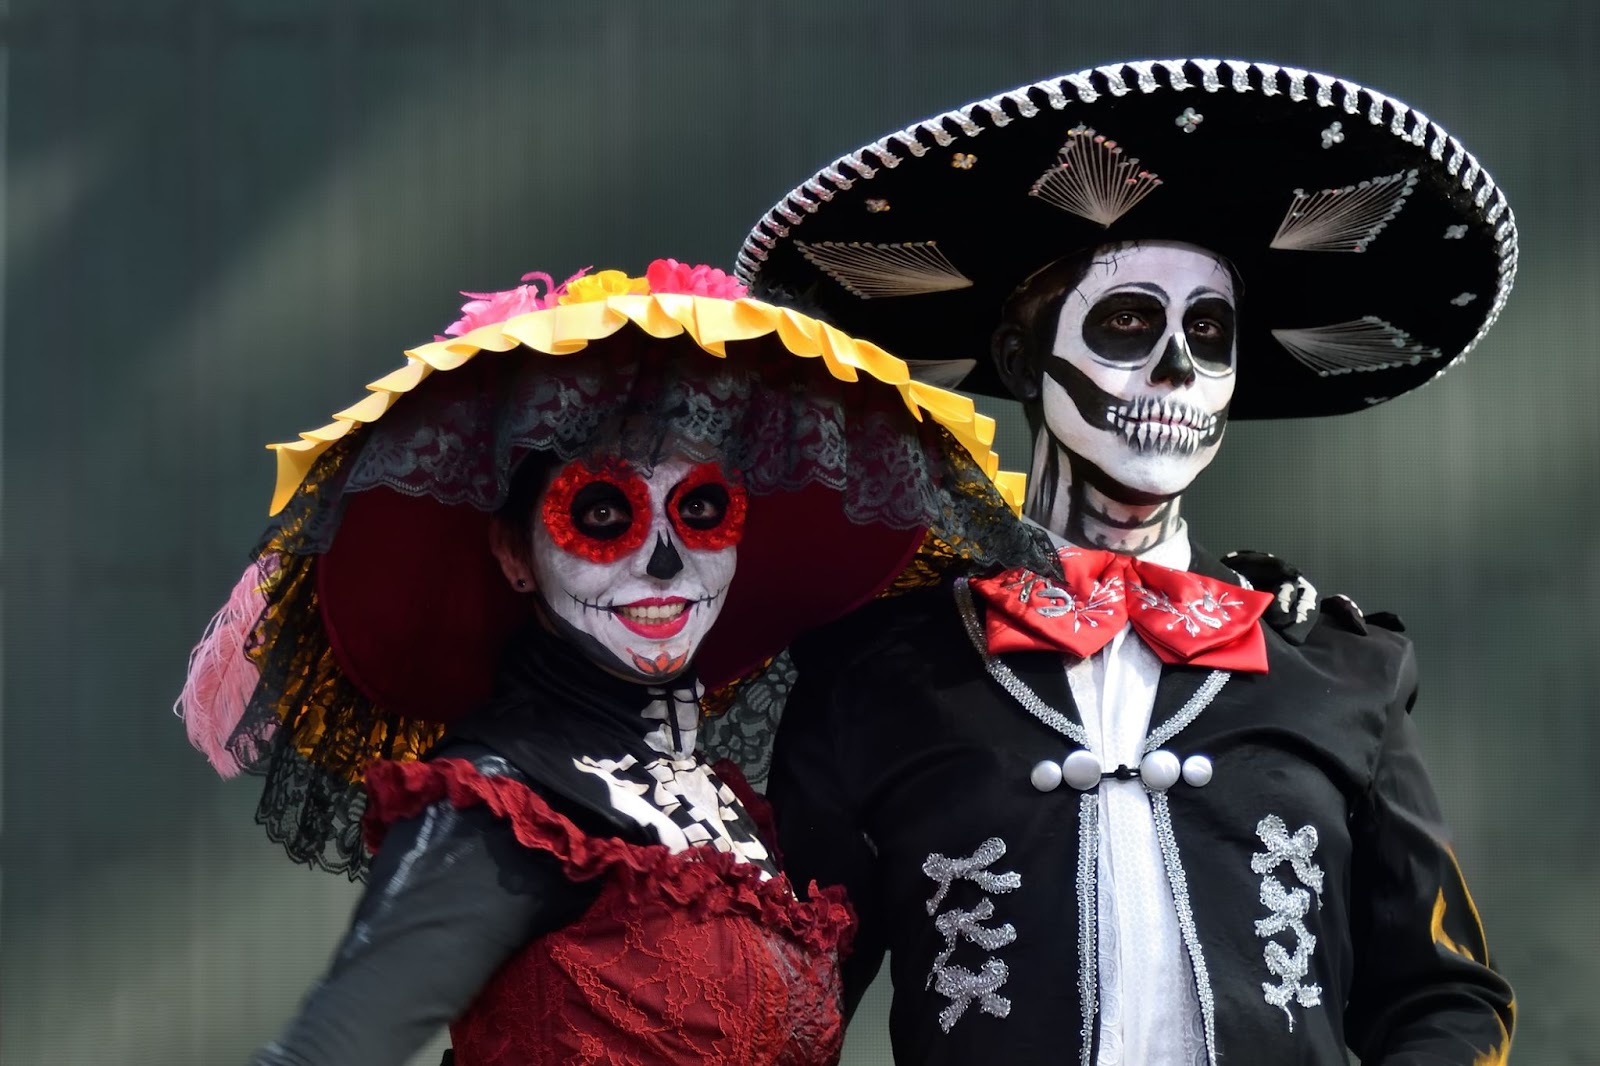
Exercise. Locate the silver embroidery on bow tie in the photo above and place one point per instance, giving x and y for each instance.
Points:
(957, 983)
(1287, 909)
(1206, 610)
(1057, 602)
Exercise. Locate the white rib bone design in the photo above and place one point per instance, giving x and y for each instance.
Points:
(1343, 220)
(1094, 179)
(1368, 343)
(869, 270)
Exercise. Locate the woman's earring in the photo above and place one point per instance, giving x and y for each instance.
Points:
(522, 583)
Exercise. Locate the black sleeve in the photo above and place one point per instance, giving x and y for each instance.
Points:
(1425, 993)
(819, 834)
(450, 896)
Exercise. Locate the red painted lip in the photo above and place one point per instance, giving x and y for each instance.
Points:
(655, 630)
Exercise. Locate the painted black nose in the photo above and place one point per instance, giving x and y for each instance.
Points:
(1175, 367)
(665, 561)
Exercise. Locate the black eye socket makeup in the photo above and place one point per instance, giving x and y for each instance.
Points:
(1208, 325)
(1122, 328)
(601, 510)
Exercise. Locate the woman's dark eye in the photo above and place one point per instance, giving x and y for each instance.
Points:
(1205, 328)
(703, 507)
(600, 510)
(1127, 322)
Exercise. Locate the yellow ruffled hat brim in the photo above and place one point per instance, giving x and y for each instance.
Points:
(711, 322)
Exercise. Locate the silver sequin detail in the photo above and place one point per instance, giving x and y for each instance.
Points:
(955, 924)
(957, 983)
(1188, 712)
(1191, 936)
(975, 868)
(1088, 917)
(1009, 681)
(962, 986)
(1287, 912)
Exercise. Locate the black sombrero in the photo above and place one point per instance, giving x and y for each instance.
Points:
(1374, 250)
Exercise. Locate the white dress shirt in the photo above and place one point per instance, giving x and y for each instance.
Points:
(1149, 1011)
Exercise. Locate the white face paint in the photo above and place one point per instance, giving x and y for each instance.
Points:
(1143, 367)
(634, 565)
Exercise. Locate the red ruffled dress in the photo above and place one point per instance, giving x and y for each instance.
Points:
(687, 957)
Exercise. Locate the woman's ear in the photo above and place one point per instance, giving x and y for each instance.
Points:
(1014, 361)
(510, 550)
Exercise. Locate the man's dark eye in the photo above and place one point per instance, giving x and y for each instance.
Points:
(600, 510)
(703, 507)
(1127, 322)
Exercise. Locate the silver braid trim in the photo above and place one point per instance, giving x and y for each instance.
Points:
(1019, 691)
(1088, 919)
(1188, 713)
(1191, 937)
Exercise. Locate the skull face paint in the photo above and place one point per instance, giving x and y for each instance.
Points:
(1141, 373)
(633, 565)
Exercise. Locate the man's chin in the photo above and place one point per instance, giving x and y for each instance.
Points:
(1158, 476)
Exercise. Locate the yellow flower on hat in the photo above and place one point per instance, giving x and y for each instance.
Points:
(599, 286)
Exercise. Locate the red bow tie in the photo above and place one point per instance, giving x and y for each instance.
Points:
(1183, 617)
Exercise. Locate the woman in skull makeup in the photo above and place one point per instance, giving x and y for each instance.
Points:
(488, 614)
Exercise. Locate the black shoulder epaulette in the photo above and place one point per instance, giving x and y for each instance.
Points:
(1343, 611)
(1293, 611)
(1387, 620)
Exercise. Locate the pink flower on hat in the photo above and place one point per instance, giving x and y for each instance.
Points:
(663, 276)
(671, 276)
(487, 308)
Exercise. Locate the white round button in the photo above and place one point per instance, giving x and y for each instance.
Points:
(1197, 771)
(1046, 776)
(1159, 770)
(1081, 770)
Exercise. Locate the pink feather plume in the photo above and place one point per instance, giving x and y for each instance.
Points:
(221, 676)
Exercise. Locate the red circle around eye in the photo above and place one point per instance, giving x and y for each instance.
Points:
(726, 533)
(556, 511)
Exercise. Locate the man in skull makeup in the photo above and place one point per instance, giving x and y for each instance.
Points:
(1125, 358)
(1160, 808)
(483, 624)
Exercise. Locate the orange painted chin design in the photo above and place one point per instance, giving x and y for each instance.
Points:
(661, 665)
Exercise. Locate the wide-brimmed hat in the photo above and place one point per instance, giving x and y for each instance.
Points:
(1374, 250)
(373, 612)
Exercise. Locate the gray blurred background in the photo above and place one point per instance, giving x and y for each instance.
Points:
(223, 217)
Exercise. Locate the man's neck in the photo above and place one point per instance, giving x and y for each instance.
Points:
(1069, 506)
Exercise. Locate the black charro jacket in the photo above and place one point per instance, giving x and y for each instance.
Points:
(898, 747)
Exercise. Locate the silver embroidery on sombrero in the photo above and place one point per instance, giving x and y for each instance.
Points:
(1094, 179)
(1368, 343)
(1343, 220)
(1288, 907)
(871, 270)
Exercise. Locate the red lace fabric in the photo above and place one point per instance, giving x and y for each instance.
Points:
(683, 958)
